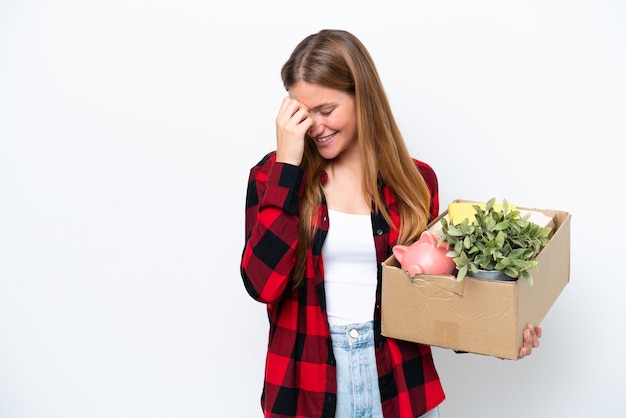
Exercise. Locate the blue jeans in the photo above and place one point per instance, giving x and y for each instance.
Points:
(358, 394)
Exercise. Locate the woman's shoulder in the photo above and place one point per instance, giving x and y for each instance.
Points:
(426, 171)
(430, 178)
(422, 165)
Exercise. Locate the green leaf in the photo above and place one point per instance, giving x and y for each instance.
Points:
(461, 273)
(524, 275)
(501, 226)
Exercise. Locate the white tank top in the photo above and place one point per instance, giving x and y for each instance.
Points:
(350, 267)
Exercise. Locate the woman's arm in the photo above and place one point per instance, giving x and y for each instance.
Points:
(272, 228)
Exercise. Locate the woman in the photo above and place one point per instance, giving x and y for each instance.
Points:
(322, 212)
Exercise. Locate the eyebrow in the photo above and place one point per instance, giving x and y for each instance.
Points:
(322, 105)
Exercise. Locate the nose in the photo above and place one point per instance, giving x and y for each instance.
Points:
(317, 128)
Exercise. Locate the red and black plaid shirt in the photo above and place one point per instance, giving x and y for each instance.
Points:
(300, 375)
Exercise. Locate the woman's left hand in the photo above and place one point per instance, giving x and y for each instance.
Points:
(531, 340)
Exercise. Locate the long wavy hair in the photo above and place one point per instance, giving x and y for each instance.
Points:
(337, 59)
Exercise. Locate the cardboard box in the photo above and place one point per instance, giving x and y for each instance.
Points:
(474, 315)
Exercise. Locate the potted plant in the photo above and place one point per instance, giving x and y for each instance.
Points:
(499, 240)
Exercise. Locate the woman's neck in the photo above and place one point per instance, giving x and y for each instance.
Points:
(343, 188)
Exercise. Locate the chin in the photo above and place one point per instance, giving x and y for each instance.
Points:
(327, 155)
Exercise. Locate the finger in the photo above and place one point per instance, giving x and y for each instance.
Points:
(523, 352)
(300, 120)
(527, 347)
(529, 341)
(286, 103)
(300, 115)
(528, 336)
(287, 109)
(297, 116)
(294, 108)
(535, 333)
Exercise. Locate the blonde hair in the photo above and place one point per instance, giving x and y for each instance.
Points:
(337, 59)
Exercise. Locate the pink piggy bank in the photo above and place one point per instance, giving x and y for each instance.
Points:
(424, 256)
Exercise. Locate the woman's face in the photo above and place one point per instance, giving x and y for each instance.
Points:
(334, 129)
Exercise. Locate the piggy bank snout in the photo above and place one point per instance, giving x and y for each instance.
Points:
(424, 256)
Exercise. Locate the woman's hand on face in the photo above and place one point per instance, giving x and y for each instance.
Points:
(292, 123)
(531, 340)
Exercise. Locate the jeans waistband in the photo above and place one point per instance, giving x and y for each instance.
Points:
(352, 334)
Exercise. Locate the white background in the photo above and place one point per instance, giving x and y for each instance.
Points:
(127, 129)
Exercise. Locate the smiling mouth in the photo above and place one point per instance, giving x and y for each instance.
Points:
(325, 138)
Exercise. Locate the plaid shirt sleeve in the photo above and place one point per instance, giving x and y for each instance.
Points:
(272, 225)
